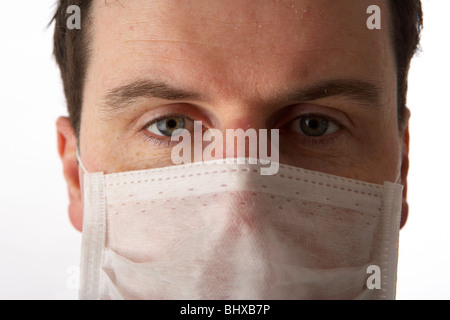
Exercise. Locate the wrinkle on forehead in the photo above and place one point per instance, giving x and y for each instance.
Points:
(236, 39)
(223, 22)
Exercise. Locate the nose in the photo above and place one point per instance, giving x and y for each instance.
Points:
(240, 137)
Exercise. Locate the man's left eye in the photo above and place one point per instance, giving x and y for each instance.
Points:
(314, 125)
(170, 125)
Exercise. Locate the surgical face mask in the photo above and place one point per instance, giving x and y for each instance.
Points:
(223, 231)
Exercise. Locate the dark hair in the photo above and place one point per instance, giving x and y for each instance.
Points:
(406, 27)
(72, 47)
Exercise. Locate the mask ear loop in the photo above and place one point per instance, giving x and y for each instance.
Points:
(80, 163)
(398, 178)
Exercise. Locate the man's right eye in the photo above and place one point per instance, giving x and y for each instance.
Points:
(169, 126)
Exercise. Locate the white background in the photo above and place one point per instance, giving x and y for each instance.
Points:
(38, 246)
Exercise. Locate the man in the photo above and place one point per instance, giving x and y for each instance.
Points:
(332, 85)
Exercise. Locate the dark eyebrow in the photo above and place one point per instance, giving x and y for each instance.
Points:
(117, 99)
(364, 92)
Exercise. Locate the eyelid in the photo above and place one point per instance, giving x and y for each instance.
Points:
(315, 114)
(330, 123)
(161, 140)
(169, 115)
(186, 110)
(295, 112)
(326, 140)
(329, 119)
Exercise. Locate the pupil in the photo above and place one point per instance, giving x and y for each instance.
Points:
(171, 123)
(313, 124)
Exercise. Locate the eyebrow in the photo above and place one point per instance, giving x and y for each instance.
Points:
(365, 92)
(119, 98)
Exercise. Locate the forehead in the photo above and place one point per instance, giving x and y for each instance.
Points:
(236, 46)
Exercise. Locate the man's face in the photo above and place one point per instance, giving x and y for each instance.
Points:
(310, 68)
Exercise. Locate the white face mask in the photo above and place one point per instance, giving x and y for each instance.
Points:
(223, 231)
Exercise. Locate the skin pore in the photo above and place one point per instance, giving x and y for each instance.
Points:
(261, 64)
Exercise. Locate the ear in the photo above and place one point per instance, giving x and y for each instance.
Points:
(404, 171)
(67, 152)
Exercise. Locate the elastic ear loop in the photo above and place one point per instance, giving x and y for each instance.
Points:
(80, 163)
(398, 179)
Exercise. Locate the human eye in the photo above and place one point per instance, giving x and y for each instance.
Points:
(159, 131)
(314, 125)
(314, 129)
(170, 125)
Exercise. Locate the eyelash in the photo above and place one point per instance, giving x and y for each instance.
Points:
(318, 141)
(303, 139)
(166, 142)
(157, 141)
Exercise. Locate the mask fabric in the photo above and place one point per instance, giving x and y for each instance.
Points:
(224, 231)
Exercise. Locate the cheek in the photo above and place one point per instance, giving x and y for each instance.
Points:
(384, 158)
(379, 154)
(371, 155)
(100, 145)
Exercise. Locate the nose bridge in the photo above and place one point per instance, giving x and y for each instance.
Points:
(241, 130)
(240, 142)
(242, 138)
